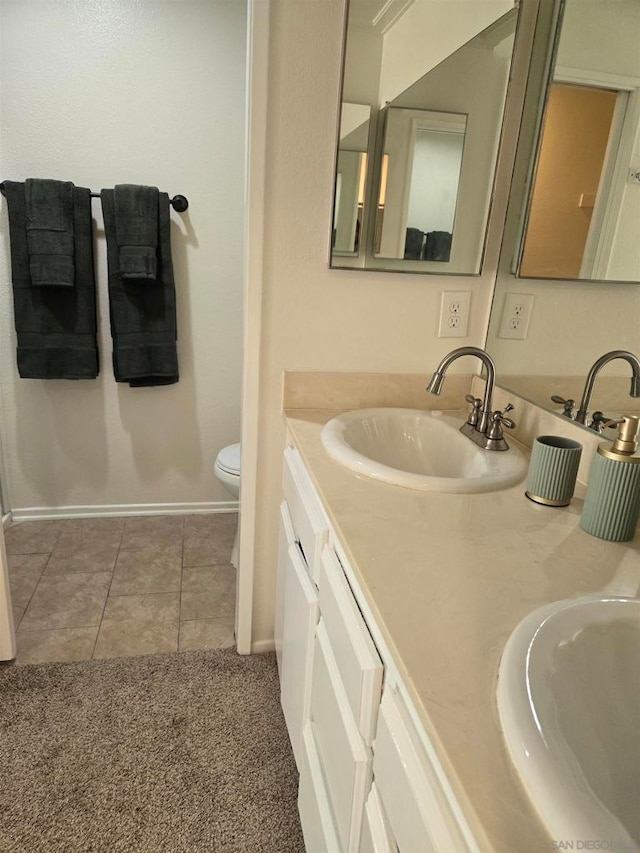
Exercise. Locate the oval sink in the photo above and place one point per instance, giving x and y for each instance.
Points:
(420, 450)
(569, 704)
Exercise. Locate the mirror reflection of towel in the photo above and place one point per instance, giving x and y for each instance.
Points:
(438, 246)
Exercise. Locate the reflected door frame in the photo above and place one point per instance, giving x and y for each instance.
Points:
(625, 124)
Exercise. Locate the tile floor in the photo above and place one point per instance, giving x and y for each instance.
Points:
(116, 587)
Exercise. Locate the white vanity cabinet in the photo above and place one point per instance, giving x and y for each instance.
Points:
(369, 779)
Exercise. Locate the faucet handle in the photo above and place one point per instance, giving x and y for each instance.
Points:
(568, 405)
(474, 414)
(498, 420)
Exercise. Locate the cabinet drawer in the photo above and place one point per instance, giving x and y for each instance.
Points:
(313, 805)
(356, 656)
(376, 834)
(418, 811)
(309, 521)
(345, 760)
(298, 629)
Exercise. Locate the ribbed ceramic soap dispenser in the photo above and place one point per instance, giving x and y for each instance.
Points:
(612, 505)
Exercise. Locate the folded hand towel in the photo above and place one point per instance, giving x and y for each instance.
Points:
(50, 232)
(143, 319)
(56, 326)
(136, 213)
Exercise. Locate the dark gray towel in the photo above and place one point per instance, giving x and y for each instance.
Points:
(50, 232)
(136, 210)
(143, 318)
(56, 326)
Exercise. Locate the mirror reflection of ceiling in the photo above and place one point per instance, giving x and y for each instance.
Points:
(570, 324)
(583, 218)
(432, 55)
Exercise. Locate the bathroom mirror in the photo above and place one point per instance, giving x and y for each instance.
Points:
(568, 324)
(583, 207)
(430, 81)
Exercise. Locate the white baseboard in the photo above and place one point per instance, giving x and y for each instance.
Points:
(260, 647)
(48, 513)
(6, 520)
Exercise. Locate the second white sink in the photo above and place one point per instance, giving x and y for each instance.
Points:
(420, 450)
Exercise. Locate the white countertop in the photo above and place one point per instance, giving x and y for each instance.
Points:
(448, 577)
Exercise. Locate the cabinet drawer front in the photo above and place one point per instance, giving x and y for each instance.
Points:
(313, 805)
(309, 521)
(356, 656)
(299, 624)
(345, 760)
(376, 833)
(418, 812)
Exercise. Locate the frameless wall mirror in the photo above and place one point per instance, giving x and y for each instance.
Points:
(423, 96)
(582, 214)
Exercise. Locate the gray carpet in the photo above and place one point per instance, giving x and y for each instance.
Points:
(176, 752)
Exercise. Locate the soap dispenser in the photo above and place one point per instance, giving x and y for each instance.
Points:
(612, 504)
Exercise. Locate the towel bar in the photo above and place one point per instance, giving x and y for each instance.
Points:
(179, 202)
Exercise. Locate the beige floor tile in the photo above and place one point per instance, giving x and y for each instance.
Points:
(25, 571)
(102, 523)
(18, 613)
(208, 593)
(146, 609)
(206, 634)
(31, 537)
(145, 570)
(85, 556)
(208, 539)
(67, 601)
(64, 644)
(152, 531)
(132, 637)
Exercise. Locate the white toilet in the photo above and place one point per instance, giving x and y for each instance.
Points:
(227, 470)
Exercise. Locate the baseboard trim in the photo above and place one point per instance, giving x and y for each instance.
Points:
(48, 513)
(260, 647)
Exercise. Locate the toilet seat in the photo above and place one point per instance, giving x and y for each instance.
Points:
(228, 460)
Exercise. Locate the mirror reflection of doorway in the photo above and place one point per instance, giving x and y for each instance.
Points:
(577, 144)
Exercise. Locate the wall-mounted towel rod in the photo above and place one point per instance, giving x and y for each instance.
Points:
(179, 202)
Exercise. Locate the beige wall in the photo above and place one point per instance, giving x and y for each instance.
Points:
(150, 92)
(315, 318)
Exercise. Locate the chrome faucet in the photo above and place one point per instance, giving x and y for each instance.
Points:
(483, 426)
(583, 409)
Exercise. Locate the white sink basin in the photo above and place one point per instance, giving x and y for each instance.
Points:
(569, 703)
(420, 450)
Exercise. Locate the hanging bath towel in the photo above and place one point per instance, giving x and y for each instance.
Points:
(54, 292)
(142, 309)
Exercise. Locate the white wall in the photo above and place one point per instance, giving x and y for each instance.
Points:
(434, 180)
(150, 92)
(313, 317)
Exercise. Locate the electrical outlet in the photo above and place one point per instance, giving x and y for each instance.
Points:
(454, 314)
(516, 316)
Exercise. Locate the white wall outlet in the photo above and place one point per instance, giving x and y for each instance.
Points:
(516, 316)
(454, 313)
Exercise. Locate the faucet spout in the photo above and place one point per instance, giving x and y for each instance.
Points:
(437, 380)
(634, 362)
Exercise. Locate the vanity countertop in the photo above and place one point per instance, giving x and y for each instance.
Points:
(448, 577)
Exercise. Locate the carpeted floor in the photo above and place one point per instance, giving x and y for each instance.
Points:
(163, 753)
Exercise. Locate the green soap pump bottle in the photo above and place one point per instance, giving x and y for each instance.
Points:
(612, 504)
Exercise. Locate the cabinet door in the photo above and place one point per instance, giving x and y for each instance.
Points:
(299, 623)
(414, 801)
(345, 760)
(309, 521)
(376, 833)
(313, 804)
(286, 539)
(356, 655)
